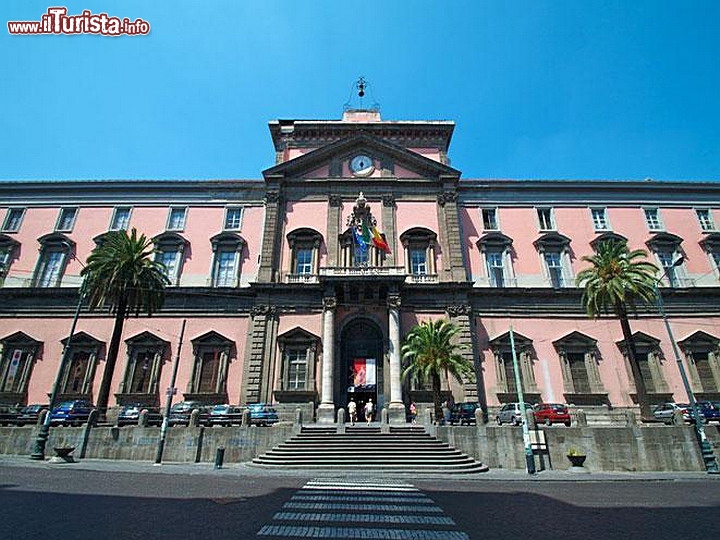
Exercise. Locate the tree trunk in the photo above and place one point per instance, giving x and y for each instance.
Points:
(640, 390)
(436, 398)
(111, 360)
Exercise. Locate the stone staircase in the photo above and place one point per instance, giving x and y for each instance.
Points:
(406, 449)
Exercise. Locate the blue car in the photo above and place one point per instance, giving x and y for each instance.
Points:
(710, 412)
(71, 413)
(262, 414)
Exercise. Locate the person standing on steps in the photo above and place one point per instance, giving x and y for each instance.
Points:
(369, 409)
(413, 412)
(352, 411)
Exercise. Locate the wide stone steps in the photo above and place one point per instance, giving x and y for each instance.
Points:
(400, 449)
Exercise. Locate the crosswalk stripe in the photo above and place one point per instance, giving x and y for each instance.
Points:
(365, 518)
(353, 532)
(362, 499)
(379, 507)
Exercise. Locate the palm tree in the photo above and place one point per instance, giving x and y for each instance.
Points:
(430, 350)
(615, 280)
(122, 276)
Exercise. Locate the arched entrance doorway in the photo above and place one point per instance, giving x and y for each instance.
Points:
(361, 365)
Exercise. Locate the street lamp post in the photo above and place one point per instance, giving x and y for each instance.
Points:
(529, 459)
(711, 465)
(42, 437)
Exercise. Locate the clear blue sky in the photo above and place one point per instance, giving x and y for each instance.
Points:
(538, 89)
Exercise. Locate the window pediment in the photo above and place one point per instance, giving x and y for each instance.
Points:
(551, 240)
(664, 240)
(211, 338)
(229, 239)
(304, 236)
(710, 241)
(607, 237)
(21, 339)
(57, 239)
(419, 235)
(146, 338)
(642, 341)
(575, 341)
(83, 339)
(494, 240)
(170, 239)
(297, 335)
(700, 340)
(502, 342)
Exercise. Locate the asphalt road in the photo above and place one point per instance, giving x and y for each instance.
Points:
(43, 501)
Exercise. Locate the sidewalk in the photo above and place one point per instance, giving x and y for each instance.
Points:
(242, 469)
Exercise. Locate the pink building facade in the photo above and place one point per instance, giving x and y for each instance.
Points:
(283, 306)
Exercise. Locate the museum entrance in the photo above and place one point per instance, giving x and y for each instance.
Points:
(361, 367)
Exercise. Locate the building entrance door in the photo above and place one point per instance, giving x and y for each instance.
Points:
(361, 366)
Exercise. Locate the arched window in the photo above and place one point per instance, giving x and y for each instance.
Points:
(8, 250)
(228, 249)
(554, 250)
(55, 250)
(419, 245)
(496, 249)
(666, 247)
(170, 251)
(304, 255)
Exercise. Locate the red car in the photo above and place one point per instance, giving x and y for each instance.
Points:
(552, 413)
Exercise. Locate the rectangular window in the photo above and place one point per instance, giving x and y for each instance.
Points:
(578, 372)
(13, 219)
(76, 373)
(66, 219)
(176, 219)
(418, 262)
(555, 270)
(599, 217)
(12, 369)
(704, 371)
(509, 369)
(210, 364)
(545, 219)
(170, 258)
(141, 370)
(233, 218)
(120, 219)
(489, 217)
(495, 268)
(4, 262)
(705, 219)
(297, 369)
(50, 268)
(303, 261)
(226, 270)
(652, 218)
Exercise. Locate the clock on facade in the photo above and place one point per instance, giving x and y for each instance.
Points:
(361, 165)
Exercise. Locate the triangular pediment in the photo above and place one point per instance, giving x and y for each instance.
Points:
(328, 160)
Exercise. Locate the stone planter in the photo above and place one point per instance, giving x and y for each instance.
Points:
(577, 460)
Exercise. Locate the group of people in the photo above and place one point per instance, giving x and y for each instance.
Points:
(368, 411)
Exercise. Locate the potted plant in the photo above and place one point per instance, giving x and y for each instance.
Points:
(576, 457)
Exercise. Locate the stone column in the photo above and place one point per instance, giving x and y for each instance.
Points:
(326, 410)
(396, 407)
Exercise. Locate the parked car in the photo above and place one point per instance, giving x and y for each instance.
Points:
(262, 414)
(710, 412)
(8, 415)
(180, 412)
(463, 413)
(665, 412)
(552, 413)
(130, 415)
(71, 413)
(30, 414)
(225, 415)
(512, 413)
